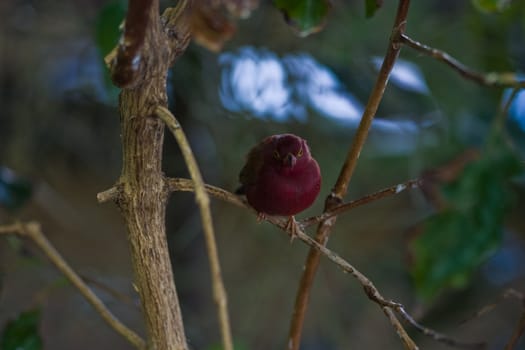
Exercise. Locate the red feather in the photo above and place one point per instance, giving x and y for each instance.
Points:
(280, 176)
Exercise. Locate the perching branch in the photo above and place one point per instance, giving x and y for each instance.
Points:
(203, 201)
(392, 190)
(490, 79)
(388, 306)
(341, 186)
(180, 184)
(33, 231)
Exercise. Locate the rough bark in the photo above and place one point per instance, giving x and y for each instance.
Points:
(140, 67)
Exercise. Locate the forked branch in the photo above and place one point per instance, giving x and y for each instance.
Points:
(488, 79)
(345, 175)
(389, 307)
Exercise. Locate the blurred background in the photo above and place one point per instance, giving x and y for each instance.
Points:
(60, 146)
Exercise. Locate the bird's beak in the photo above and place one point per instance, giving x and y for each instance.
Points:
(289, 160)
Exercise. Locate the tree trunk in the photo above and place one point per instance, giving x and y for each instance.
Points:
(142, 195)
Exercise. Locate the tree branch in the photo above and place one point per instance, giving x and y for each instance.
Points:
(33, 231)
(501, 116)
(408, 343)
(110, 194)
(149, 47)
(388, 306)
(185, 185)
(340, 188)
(392, 190)
(518, 332)
(203, 201)
(435, 335)
(490, 79)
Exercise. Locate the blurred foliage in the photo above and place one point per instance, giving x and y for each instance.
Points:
(22, 333)
(491, 6)
(371, 6)
(455, 241)
(107, 34)
(14, 190)
(305, 16)
(107, 27)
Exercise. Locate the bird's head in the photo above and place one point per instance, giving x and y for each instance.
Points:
(289, 151)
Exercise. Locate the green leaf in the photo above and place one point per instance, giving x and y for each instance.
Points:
(107, 34)
(371, 6)
(14, 190)
(22, 333)
(107, 30)
(305, 16)
(491, 6)
(457, 240)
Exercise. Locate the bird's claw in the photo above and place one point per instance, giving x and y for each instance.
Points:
(291, 227)
(261, 217)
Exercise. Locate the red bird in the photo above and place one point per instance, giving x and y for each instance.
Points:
(280, 177)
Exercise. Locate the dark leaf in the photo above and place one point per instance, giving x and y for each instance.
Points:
(14, 190)
(210, 25)
(371, 6)
(457, 240)
(107, 26)
(22, 333)
(305, 16)
(107, 34)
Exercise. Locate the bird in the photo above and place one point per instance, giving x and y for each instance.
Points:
(280, 177)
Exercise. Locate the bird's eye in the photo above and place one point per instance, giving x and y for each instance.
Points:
(276, 155)
(300, 153)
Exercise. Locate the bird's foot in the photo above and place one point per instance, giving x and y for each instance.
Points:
(261, 217)
(292, 227)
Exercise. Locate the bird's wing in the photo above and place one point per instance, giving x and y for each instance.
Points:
(254, 162)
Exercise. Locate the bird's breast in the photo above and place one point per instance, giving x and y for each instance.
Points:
(285, 193)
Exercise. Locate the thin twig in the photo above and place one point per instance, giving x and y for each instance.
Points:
(187, 185)
(436, 335)
(518, 332)
(179, 184)
(507, 294)
(392, 190)
(32, 230)
(219, 292)
(408, 343)
(111, 291)
(373, 294)
(108, 195)
(490, 79)
(347, 170)
(369, 288)
(499, 121)
(520, 327)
